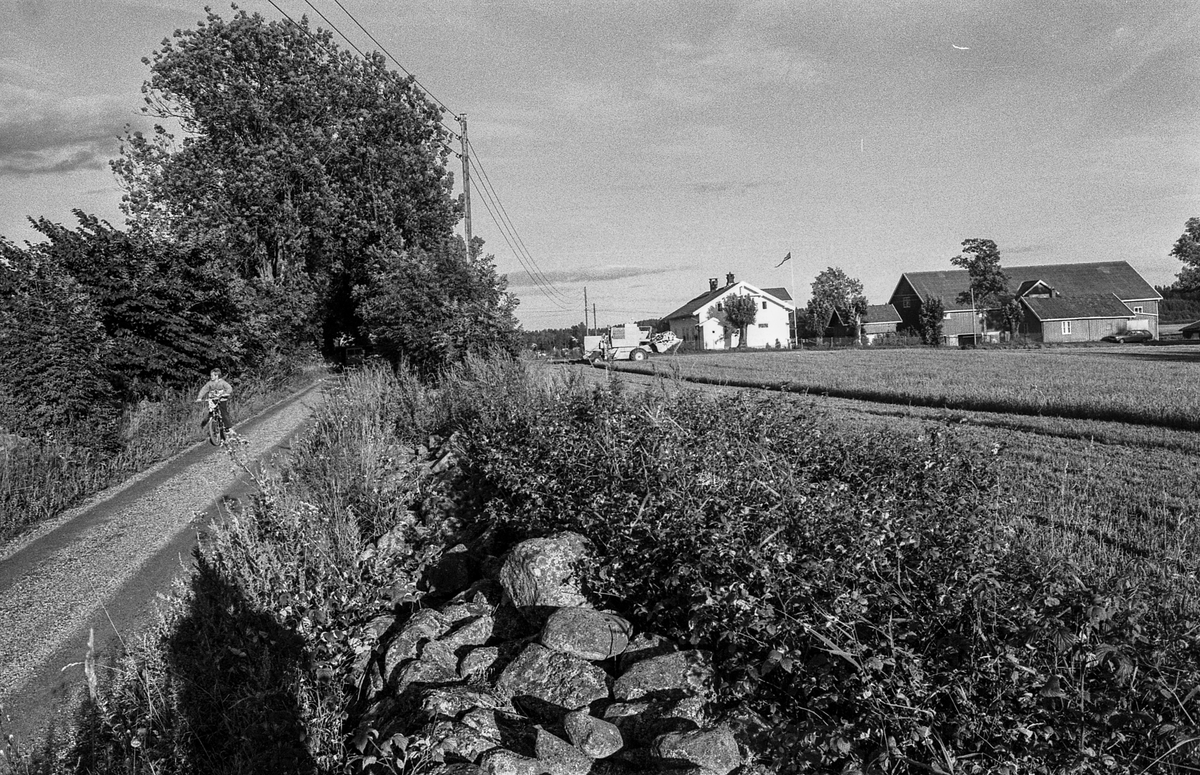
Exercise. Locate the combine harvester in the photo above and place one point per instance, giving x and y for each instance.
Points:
(628, 342)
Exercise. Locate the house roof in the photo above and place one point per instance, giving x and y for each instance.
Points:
(882, 313)
(1077, 307)
(1095, 278)
(876, 313)
(693, 306)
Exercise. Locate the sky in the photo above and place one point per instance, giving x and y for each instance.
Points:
(639, 149)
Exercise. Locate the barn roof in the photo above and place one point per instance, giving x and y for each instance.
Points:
(1095, 278)
(1077, 307)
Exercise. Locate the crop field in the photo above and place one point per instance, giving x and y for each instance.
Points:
(1131, 384)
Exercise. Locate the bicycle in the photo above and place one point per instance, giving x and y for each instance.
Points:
(216, 419)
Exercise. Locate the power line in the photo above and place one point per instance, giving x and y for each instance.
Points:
(506, 228)
(488, 182)
(383, 48)
(360, 52)
(536, 272)
(498, 214)
(545, 290)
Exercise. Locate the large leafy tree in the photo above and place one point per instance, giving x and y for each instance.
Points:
(165, 313)
(988, 283)
(741, 312)
(1187, 250)
(832, 290)
(432, 307)
(301, 160)
(54, 351)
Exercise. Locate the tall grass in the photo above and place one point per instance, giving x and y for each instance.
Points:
(911, 598)
(40, 478)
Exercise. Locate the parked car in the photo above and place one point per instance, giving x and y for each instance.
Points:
(1191, 330)
(1128, 336)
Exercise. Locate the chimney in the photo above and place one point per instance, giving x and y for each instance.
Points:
(712, 283)
(729, 279)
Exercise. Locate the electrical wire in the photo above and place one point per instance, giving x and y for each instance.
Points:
(449, 130)
(490, 198)
(363, 54)
(479, 162)
(507, 229)
(387, 53)
(545, 290)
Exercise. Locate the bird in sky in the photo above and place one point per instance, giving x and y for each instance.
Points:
(962, 48)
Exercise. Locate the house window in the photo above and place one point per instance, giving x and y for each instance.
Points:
(907, 302)
(720, 306)
(763, 325)
(1066, 327)
(1137, 310)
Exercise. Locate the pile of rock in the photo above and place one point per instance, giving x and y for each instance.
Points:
(519, 675)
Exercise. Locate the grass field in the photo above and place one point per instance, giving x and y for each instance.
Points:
(1153, 386)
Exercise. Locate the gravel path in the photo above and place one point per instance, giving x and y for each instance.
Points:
(100, 566)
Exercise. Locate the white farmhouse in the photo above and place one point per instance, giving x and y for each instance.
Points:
(702, 325)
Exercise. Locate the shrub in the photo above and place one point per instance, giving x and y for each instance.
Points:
(866, 607)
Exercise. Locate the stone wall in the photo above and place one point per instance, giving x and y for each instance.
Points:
(517, 674)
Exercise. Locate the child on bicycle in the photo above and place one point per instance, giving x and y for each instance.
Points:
(220, 391)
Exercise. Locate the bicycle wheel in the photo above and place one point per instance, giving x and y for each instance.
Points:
(216, 433)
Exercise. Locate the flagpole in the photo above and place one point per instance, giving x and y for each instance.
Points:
(795, 335)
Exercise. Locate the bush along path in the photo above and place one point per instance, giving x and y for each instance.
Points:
(838, 602)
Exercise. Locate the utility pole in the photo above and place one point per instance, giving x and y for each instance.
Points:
(586, 331)
(466, 160)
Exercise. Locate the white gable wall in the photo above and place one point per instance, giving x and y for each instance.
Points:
(710, 330)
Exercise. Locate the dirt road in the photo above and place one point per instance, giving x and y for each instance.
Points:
(99, 567)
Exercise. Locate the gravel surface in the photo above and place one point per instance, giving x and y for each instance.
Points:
(100, 566)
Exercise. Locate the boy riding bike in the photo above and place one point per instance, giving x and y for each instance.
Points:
(218, 393)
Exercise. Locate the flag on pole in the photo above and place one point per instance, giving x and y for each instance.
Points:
(786, 258)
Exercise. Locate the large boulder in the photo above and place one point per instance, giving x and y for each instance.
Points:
(500, 761)
(642, 721)
(548, 684)
(669, 676)
(475, 631)
(478, 664)
(542, 571)
(451, 702)
(560, 757)
(422, 673)
(595, 737)
(643, 646)
(713, 749)
(421, 628)
(586, 633)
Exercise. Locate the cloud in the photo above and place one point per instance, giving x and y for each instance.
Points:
(736, 188)
(1035, 248)
(587, 274)
(41, 136)
(57, 161)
